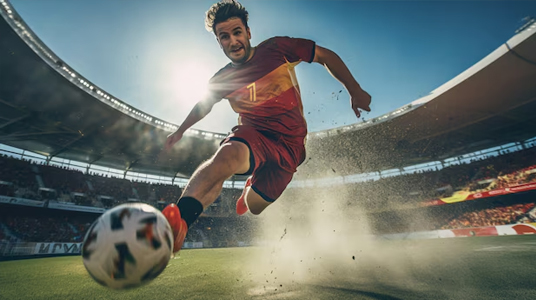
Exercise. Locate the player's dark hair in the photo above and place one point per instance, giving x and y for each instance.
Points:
(224, 10)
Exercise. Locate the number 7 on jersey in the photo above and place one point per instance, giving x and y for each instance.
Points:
(252, 92)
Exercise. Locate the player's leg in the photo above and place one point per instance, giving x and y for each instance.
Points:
(241, 206)
(204, 187)
(266, 186)
(206, 183)
(255, 202)
(250, 200)
(276, 162)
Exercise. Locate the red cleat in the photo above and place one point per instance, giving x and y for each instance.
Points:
(241, 207)
(178, 225)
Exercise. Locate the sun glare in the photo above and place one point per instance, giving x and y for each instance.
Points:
(191, 82)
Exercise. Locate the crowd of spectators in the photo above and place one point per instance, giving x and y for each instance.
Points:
(221, 232)
(525, 175)
(63, 180)
(166, 193)
(213, 232)
(453, 216)
(409, 189)
(22, 178)
(119, 189)
(230, 231)
(144, 191)
(44, 229)
(7, 189)
(480, 175)
(17, 172)
(501, 215)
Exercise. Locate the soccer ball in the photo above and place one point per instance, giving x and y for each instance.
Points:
(127, 246)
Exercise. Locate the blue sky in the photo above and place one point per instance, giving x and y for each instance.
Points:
(151, 54)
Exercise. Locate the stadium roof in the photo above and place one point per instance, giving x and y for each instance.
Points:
(490, 104)
(48, 108)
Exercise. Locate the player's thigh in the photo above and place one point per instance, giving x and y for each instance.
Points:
(256, 203)
(233, 155)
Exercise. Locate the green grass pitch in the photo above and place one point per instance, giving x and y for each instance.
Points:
(196, 274)
(464, 268)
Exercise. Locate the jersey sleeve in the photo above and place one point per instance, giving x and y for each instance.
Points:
(296, 49)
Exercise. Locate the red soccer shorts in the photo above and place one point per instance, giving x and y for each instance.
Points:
(273, 159)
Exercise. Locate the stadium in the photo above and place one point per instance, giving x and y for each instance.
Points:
(435, 200)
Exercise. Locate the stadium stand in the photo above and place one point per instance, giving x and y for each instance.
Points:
(43, 229)
(489, 173)
(390, 202)
(486, 174)
(43, 225)
(166, 193)
(501, 215)
(144, 191)
(20, 174)
(63, 180)
(119, 189)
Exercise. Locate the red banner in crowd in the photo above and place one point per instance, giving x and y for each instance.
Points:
(504, 191)
(487, 194)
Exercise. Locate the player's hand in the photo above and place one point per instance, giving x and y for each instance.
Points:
(172, 139)
(360, 100)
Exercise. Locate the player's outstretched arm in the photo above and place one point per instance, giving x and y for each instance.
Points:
(200, 110)
(338, 69)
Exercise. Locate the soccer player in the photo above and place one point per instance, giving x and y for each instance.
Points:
(269, 142)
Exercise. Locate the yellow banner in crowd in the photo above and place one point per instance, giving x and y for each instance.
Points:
(458, 196)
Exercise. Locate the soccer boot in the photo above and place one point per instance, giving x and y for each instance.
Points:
(241, 207)
(178, 225)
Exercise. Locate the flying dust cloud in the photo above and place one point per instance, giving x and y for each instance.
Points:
(321, 237)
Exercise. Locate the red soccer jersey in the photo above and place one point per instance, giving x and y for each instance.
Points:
(264, 91)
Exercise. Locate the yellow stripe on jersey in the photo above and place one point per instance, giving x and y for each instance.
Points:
(269, 87)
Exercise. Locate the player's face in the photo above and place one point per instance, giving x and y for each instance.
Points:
(234, 37)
